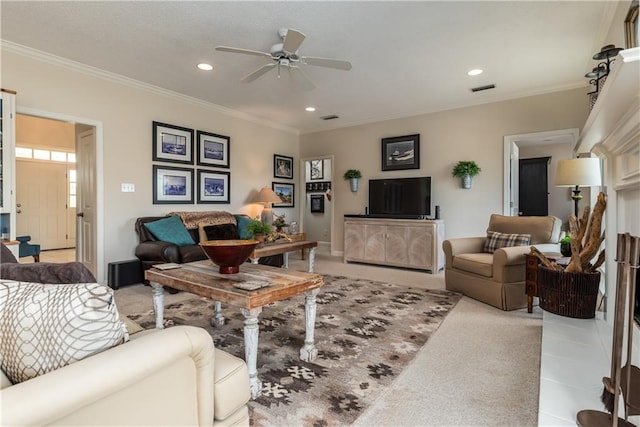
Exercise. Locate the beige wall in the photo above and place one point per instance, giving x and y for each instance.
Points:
(126, 113)
(473, 133)
(50, 134)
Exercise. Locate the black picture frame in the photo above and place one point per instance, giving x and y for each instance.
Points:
(282, 166)
(213, 149)
(401, 152)
(172, 185)
(317, 203)
(286, 192)
(172, 143)
(214, 186)
(317, 170)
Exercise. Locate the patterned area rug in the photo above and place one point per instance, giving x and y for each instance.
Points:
(366, 333)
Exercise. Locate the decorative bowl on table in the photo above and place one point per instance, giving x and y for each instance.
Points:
(228, 254)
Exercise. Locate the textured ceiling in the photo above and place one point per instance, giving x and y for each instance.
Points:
(408, 57)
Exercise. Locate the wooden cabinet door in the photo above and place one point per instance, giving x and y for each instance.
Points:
(396, 247)
(375, 243)
(419, 247)
(354, 241)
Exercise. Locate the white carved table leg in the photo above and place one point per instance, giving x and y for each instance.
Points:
(312, 259)
(285, 257)
(251, 331)
(309, 352)
(157, 291)
(218, 318)
(254, 260)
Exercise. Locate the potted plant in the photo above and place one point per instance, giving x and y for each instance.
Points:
(465, 170)
(353, 175)
(280, 223)
(258, 229)
(565, 245)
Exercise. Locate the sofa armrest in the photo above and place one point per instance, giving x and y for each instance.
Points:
(462, 245)
(47, 272)
(157, 250)
(161, 378)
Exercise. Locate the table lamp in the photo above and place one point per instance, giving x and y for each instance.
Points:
(580, 172)
(266, 196)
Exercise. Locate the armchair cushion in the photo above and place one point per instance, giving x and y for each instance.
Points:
(170, 229)
(496, 240)
(44, 327)
(479, 263)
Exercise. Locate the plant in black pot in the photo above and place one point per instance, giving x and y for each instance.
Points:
(565, 245)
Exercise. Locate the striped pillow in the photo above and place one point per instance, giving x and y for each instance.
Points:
(497, 240)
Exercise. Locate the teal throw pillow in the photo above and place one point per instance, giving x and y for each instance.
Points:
(243, 227)
(170, 229)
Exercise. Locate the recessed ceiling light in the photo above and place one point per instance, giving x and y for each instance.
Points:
(310, 109)
(474, 72)
(205, 67)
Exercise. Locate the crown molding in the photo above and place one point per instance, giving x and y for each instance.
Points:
(126, 81)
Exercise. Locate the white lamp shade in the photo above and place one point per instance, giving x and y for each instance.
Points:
(581, 172)
(266, 196)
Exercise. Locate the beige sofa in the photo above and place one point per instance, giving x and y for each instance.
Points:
(159, 378)
(498, 278)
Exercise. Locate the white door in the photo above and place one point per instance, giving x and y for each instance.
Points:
(514, 177)
(41, 203)
(86, 233)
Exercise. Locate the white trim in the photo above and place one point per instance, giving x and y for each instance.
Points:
(126, 81)
(100, 273)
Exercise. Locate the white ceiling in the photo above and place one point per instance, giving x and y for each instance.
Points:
(408, 58)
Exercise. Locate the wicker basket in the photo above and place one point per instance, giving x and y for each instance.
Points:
(568, 294)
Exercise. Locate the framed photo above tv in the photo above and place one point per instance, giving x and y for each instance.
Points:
(172, 143)
(213, 186)
(401, 152)
(286, 192)
(213, 150)
(282, 166)
(172, 185)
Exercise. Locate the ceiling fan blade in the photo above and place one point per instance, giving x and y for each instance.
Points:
(338, 64)
(292, 41)
(260, 71)
(300, 79)
(243, 51)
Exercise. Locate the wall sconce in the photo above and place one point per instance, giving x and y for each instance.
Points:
(608, 52)
(580, 172)
(266, 197)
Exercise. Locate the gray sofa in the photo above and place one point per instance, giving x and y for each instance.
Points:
(498, 278)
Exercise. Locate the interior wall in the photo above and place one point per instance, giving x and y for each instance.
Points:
(560, 202)
(472, 133)
(126, 111)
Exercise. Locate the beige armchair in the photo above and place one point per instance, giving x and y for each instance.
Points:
(498, 278)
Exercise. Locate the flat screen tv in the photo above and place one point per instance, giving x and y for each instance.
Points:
(400, 197)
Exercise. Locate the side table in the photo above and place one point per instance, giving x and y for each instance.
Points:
(531, 274)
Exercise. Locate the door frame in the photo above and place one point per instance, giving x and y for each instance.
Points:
(534, 137)
(98, 173)
(303, 192)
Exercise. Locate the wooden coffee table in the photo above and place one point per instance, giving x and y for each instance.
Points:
(272, 284)
(277, 248)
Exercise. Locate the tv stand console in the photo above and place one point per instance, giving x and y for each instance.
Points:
(395, 242)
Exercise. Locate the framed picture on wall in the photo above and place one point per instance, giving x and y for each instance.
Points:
(317, 203)
(282, 166)
(172, 185)
(286, 192)
(213, 150)
(172, 143)
(317, 170)
(401, 152)
(213, 186)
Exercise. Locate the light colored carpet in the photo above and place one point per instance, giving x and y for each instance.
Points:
(480, 368)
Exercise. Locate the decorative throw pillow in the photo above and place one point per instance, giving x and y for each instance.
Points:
(243, 227)
(497, 240)
(44, 327)
(217, 232)
(170, 229)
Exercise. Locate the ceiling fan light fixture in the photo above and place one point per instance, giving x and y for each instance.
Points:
(475, 72)
(205, 67)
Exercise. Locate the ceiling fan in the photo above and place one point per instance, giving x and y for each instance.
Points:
(285, 56)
